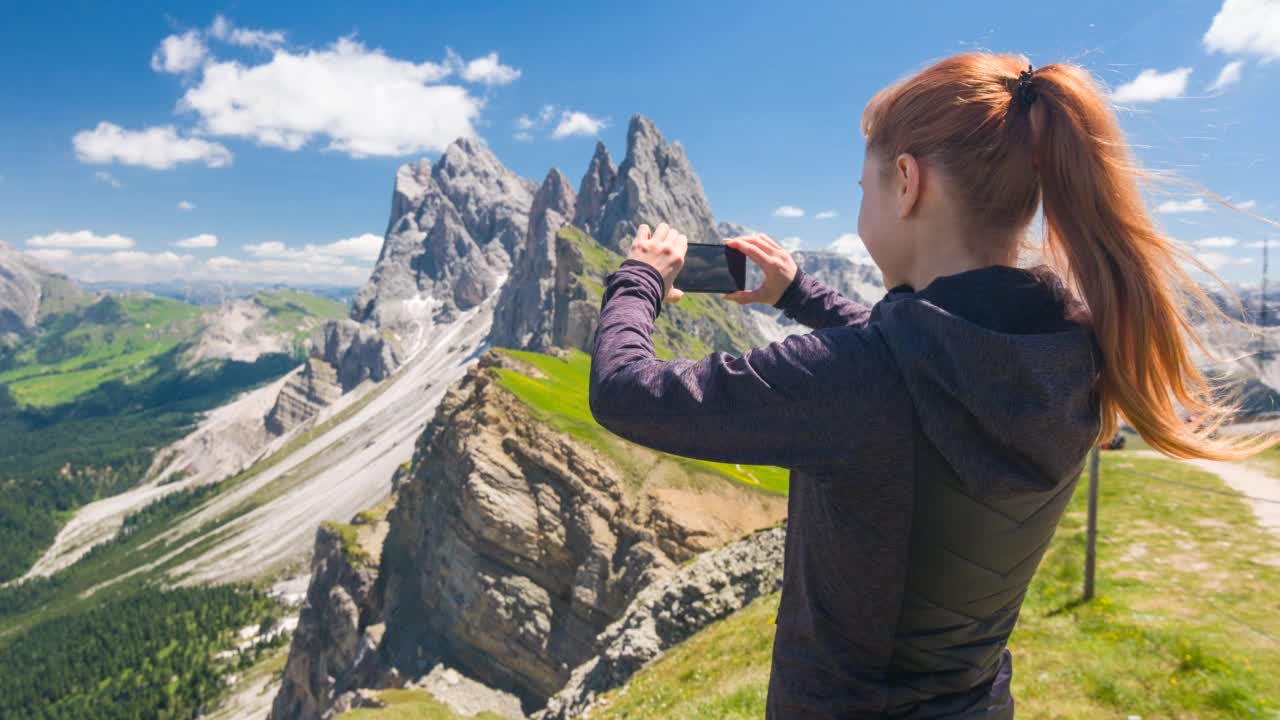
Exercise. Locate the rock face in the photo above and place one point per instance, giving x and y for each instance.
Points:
(455, 228)
(308, 390)
(25, 289)
(357, 352)
(333, 646)
(655, 183)
(668, 612)
(526, 309)
(594, 189)
(511, 546)
(577, 309)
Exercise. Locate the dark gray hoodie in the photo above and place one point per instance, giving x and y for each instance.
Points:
(933, 441)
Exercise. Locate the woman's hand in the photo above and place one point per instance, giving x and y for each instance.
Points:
(779, 269)
(664, 250)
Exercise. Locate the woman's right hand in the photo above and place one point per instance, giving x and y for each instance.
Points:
(779, 269)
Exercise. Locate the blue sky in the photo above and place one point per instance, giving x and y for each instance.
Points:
(281, 125)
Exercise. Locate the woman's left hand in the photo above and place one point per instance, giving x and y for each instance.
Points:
(664, 250)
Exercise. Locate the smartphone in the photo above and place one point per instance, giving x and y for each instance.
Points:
(712, 267)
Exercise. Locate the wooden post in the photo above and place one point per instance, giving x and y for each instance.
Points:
(1091, 539)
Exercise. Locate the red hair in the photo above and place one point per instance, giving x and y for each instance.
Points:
(1065, 153)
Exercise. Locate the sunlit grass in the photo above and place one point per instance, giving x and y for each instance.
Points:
(562, 400)
(1183, 625)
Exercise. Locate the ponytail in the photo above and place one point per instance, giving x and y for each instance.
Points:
(1064, 152)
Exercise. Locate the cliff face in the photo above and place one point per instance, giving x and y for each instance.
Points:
(655, 183)
(455, 228)
(333, 648)
(526, 309)
(512, 545)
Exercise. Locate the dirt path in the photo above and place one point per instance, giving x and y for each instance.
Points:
(1255, 483)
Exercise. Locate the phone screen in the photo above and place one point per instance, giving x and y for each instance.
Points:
(712, 267)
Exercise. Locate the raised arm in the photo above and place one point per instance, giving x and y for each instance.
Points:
(818, 306)
(796, 401)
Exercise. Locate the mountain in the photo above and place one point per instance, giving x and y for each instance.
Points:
(29, 293)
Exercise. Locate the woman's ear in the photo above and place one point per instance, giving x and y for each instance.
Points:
(907, 183)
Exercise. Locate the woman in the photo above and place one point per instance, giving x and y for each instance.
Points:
(935, 438)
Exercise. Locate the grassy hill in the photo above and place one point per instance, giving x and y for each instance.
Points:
(561, 399)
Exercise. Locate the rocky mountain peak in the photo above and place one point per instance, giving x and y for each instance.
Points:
(525, 314)
(455, 228)
(655, 183)
(594, 190)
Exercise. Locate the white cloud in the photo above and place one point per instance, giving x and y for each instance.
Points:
(852, 247)
(1247, 204)
(223, 29)
(486, 70)
(573, 122)
(788, 211)
(1249, 27)
(185, 205)
(1151, 85)
(107, 178)
(1271, 244)
(364, 247)
(179, 53)
(825, 215)
(80, 239)
(1194, 205)
(523, 136)
(363, 101)
(790, 244)
(1228, 76)
(1220, 241)
(203, 240)
(1216, 261)
(158, 148)
(138, 266)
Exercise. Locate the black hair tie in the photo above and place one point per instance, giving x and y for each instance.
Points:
(1026, 92)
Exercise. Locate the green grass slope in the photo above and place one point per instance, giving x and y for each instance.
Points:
(561, 399)
(1184, 623)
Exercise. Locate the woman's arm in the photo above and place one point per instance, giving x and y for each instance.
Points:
(818, 306)
(793, 402)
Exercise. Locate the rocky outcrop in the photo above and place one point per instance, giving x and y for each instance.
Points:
(338, 630)
(577, 308)
(668, 612)
(526, 309)
(512, 545)
(455, 228)
(654, 184)
(594, 189)
(308, 390)
(357, 352)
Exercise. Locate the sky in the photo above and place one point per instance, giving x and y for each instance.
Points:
(259, 142)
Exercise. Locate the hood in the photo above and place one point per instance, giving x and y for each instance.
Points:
(1000, 363)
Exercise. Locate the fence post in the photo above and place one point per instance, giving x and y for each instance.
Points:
(1091, 538)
